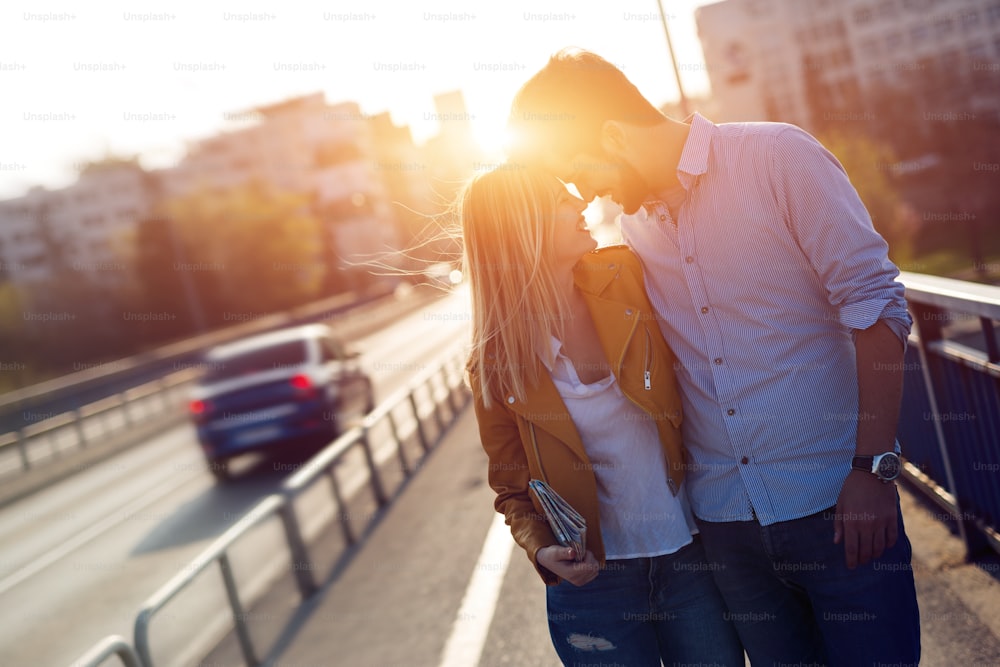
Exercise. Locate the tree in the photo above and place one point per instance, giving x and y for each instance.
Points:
(869, 165)
(261, 245)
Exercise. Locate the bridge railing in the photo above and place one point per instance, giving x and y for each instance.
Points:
(155, 405)
(949, 427)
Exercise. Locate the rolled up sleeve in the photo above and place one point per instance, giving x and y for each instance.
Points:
(834, 230)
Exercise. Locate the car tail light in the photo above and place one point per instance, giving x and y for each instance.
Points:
(199, 409)
(304, 386)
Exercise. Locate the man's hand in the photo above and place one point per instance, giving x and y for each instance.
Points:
(559, 560)
(866, 518)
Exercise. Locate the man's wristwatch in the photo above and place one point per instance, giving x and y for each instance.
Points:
(884, 466)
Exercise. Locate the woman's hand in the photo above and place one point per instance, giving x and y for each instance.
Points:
(559, 560)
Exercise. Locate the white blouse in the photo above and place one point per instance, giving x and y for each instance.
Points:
(640, 517)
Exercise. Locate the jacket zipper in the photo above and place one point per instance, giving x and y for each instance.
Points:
(647, 375)
(648, 384)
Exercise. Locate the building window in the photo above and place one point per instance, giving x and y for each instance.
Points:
(862, 15)
(886, 9)
(944, 27)
(893, 40)
(970, 20)
(920, 33)
(993, 13)
(977, 52)
(869, 48)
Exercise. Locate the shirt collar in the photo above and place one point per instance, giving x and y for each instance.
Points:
(694, 155)
(556, 347)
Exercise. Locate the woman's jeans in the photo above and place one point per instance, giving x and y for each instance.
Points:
(639, 611)
(795, 602)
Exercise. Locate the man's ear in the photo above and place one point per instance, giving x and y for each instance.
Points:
(614, 138)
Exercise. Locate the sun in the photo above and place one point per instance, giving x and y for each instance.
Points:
(491, 136)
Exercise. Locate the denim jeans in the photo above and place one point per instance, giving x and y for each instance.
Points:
(795, 602)
(639, 611)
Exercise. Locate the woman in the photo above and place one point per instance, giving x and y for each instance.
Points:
(574, 385)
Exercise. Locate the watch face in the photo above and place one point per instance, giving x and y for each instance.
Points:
(888, 467)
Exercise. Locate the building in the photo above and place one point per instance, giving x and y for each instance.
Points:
(81, 231)
(370, 187)
(794, 60)
(307, 146)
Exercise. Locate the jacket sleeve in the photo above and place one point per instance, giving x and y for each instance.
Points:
(508, 477)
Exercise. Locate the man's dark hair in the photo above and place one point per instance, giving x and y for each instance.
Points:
(560, 110)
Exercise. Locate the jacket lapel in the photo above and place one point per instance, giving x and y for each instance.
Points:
(614, 320)
(545, 409)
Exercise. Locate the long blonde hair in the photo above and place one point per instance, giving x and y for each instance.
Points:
(507, 233)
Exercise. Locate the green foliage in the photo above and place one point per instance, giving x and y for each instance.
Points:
(869, 166)
(262, 248)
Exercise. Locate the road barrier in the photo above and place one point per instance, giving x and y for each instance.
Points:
(437, 395)
(155, 404)
(949, 426)
(107, 647)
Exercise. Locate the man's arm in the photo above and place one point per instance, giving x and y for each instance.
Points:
(835, 232)
(866, 509)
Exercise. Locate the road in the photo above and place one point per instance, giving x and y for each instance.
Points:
(78, 559)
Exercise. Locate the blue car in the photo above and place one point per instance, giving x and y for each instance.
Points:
(275, 389)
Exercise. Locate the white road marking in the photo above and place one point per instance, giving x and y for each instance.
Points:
(468, 634)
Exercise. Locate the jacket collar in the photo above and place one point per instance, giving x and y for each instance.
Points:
(593, 273)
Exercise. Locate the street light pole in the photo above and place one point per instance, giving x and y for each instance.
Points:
(685, 110)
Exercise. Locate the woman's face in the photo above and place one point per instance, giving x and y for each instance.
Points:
(570, 237)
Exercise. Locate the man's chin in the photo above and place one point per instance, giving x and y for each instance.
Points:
(631, 205)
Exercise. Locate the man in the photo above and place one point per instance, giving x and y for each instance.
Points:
(781, 305)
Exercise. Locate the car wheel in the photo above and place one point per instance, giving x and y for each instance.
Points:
(219, 469)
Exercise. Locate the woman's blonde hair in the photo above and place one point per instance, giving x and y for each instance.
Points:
(507, 233)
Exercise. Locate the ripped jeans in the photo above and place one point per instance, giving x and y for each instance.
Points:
(640, 611)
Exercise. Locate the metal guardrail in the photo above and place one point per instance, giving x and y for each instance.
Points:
(107, 647)
(949, 427)
(63, 434)
(443, 386)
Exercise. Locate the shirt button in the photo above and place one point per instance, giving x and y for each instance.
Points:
(718, 361)
(729, 412)
(628, 311)
(704, 309)
(510, 399)
(662, 217)
(689, 259)
(744, 460)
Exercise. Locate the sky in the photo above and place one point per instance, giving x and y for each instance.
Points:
(147, 78)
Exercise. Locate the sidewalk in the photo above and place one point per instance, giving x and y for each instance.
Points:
(397, 600)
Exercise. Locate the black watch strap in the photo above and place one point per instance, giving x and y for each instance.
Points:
(864, 463)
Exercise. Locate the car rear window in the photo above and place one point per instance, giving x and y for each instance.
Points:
(283, 355)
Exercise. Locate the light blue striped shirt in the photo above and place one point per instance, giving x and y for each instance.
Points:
(772, 263)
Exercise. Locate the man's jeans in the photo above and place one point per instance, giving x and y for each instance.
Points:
(638, 611)
(795, 602)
